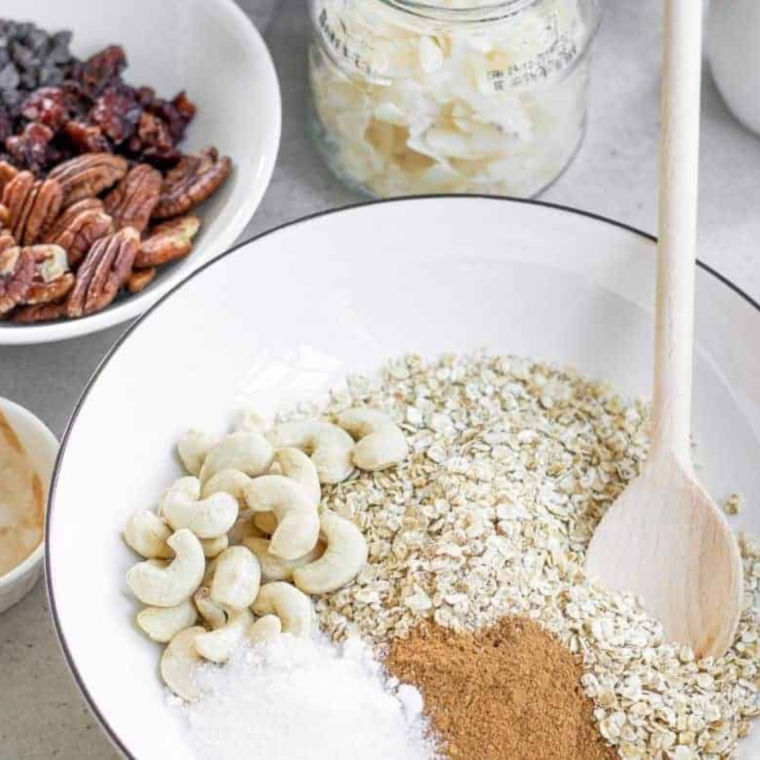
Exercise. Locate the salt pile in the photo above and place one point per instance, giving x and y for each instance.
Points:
(298, 699)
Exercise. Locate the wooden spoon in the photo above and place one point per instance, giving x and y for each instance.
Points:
(664, 538)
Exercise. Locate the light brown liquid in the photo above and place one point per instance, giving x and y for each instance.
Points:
(22, 501)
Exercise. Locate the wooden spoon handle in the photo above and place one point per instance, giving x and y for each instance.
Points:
(679, 164)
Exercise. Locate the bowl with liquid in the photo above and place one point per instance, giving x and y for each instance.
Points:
(28, 450)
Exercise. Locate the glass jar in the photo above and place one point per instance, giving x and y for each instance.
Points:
(450, 96)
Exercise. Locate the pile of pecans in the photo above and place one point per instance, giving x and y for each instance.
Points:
(94, 192)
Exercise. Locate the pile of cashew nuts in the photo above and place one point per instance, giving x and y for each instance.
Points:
(242, 541)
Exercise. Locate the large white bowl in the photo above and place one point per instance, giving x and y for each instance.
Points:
(287, 315)
(212, 50)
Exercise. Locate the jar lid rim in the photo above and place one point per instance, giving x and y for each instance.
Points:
(477, 11)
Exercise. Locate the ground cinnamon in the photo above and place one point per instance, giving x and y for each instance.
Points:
(509, 692)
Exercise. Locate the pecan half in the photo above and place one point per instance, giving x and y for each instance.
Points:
(50, 292)
(132, 201)
(140, 279)
(195, 178)
(46, 312)
(104, 270)
(7, 173)
(31, 205)
(78, 227)
(52, 280)
(15, 195)
(87, 175)
(168, 241)
(16, 274)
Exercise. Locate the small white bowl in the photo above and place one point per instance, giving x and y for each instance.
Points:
(211, 49)
(42, 448)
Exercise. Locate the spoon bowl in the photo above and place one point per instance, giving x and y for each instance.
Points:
(675, 549)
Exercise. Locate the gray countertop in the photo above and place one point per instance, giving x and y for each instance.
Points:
(41, 712)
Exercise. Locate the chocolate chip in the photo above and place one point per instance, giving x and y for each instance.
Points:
(12, 98)
(59, 53)
(9, 77)
(37, 40)
(22, 55)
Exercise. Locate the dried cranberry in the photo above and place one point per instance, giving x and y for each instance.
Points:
(145, 95)
(46, 105)
(103, 69)
(87, 139)
(76, 71)
(31, 149)
(78, 103)
(185, 106)
(153, 132)
(161, 158)
(117, 112)
(165, 111)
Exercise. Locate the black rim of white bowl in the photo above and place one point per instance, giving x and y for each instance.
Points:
(110, 732)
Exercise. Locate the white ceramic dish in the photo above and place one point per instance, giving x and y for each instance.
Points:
(340, 292)
(212, 50)
(42, 448)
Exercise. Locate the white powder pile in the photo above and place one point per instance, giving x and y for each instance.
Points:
(296, 699)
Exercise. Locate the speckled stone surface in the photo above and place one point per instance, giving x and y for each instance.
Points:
(41, 712)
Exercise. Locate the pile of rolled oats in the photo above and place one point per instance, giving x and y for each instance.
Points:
(512, 465)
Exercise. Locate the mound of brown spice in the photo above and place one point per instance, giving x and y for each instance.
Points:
(509, 691)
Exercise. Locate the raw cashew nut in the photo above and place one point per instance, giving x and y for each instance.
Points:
(218, 645)
(179, 662)
(162, 624)
(345, 556)
(193, 447)
(159, 586)
(297, 518)
(381, 443)
(236, 578)
(328, 445)
(213, 615)
(213, 547)
(264, 630)
(190, 486)
(294, 464)
(232, 482)
(292, 606)
(209, 518)
(250, 453)
(275, 568)
(147, 533)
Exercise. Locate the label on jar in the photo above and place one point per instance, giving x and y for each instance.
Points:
(559, 55)
(339, 41)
